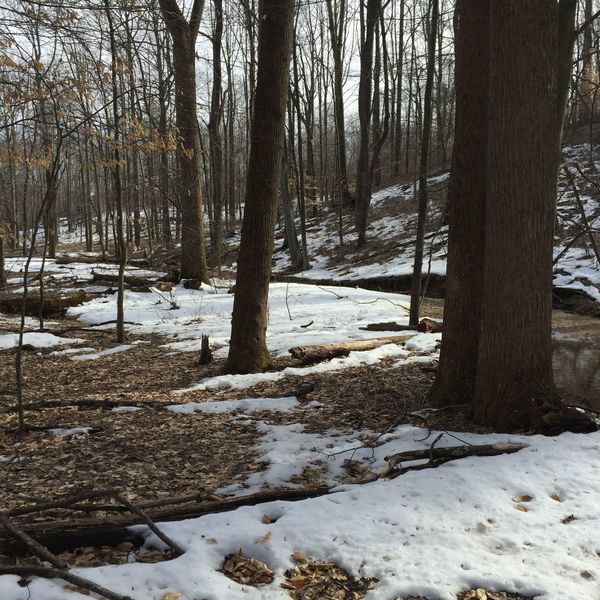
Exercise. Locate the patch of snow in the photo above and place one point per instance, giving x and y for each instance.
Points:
(246, 404)
(36, 339)
(60, 432)
(354, 359)
(101, 353)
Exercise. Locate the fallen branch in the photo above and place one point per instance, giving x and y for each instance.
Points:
(326, 351)
(71, 532)
(175, 547)
(452, 453)
(390, 326)
(54, 573)
(105, 403)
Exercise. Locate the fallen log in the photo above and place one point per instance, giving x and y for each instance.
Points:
(88, 260)
(135, 280)
(54, 304)
(63, 533)
(68, 533)
(388, 326)
(321, 352)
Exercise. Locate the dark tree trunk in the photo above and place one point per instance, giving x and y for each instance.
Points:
(514, 381)
(248, 351)
(184, 35)
(455, 381)
(365, 100)
(415, 297)
(214, 133)
(291, 237)
(336, 15)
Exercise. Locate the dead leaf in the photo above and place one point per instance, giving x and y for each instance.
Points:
(172, 596)
(555, 496)
(483, 527)
(522, 508)
(586, 575)
(211, 541)
(299, 557)
(263, 539)
(568, 519)
(522, 498)
(247, 570)
(266, 519)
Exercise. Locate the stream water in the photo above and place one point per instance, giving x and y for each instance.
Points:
(577, 368)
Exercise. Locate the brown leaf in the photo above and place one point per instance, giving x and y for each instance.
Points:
(263, 539)
(522, 498)
(299, 557)
(586, 575)
(266, 519)
(522, 508)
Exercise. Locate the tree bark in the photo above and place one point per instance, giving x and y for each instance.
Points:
(515, 382)
(248, 351)
(457, 370)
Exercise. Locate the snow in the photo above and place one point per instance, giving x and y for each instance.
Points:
(354, 359)
(36, 339)
(299, 314)
(62, 432)
(101, 353)
(433, 532)
(246, 405)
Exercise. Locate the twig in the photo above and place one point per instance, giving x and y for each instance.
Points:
(176, 548)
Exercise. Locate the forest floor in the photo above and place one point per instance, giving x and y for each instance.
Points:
(143, 417)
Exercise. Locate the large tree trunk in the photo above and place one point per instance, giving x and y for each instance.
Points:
(248, 348)
(455, 381)
(184, 35)
(515, 382)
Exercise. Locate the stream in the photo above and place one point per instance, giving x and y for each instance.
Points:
(577, 368)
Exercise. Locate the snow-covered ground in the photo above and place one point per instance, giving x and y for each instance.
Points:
(525, 522)
(392, 230)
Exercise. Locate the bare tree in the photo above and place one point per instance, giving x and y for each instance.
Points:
(248, 351)
(184, 34)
